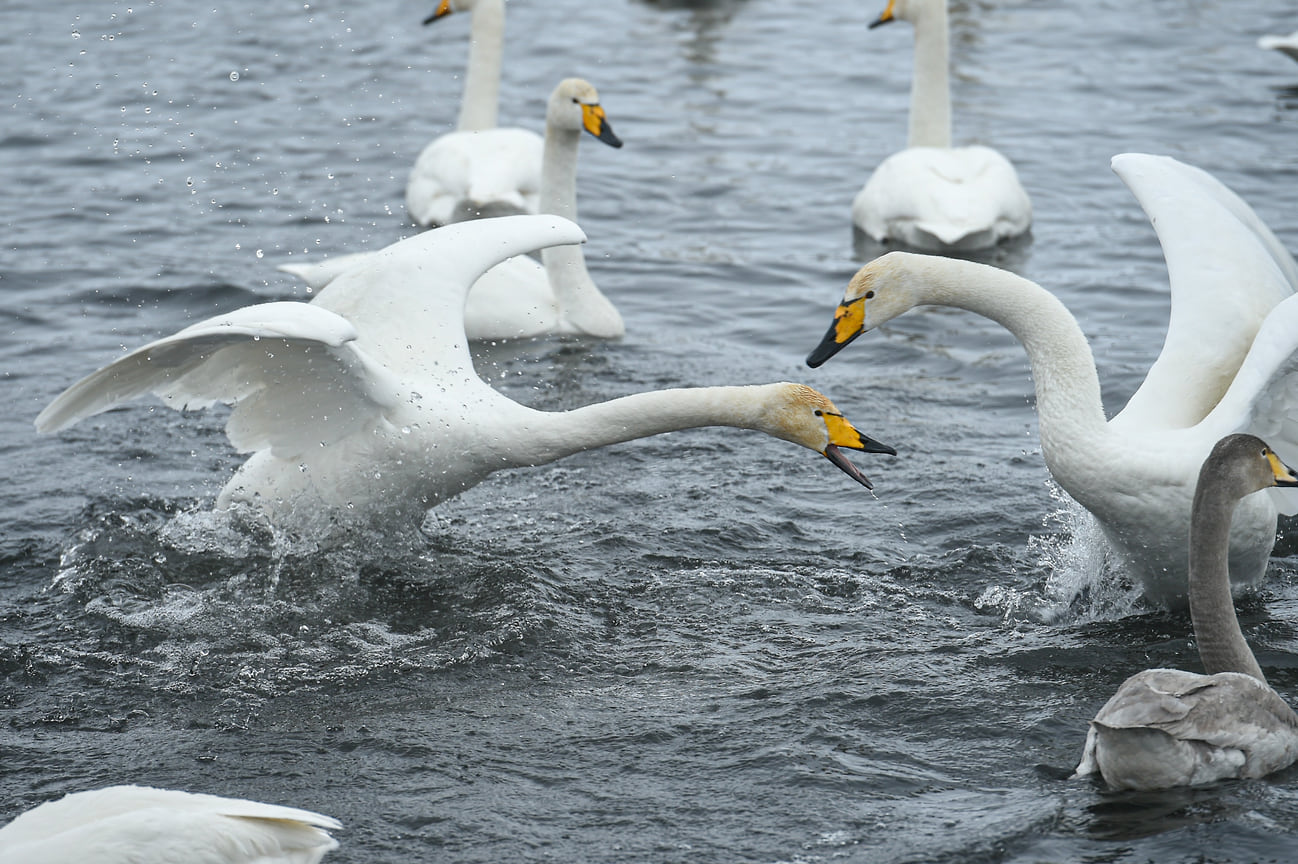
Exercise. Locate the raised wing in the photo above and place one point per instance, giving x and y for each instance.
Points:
(1263, 398)
(293, 371)
(407, 300)
(1227, 272)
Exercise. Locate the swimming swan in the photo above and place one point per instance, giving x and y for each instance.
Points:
(479, 169)
(365, 401)
(1165, 727)
(519, 298)
(1224, 367)
(931, 195)
(128, 824)
(1287, 45)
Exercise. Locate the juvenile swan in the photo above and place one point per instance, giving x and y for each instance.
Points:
(519, 298)
(931, 195)
(1165, 727)
(130, 824)
(479, 169)
(1225, 367)
(365, 401)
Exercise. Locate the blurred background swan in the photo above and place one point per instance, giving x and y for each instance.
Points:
(480, 169)
(931, 195)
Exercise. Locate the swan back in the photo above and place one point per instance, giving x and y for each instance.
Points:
(128, 824)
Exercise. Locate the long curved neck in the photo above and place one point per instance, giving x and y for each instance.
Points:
(544, 436)
(1222, 646)
(480, 100)
(581, 303)
(1070, 412)
(930, 94)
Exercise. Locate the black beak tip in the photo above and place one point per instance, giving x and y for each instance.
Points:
(879, 22)
(827, 348)
(869, 445)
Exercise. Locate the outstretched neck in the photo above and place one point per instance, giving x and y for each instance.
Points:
(930, 93)
(480, 100)
(1222, 646)
(582, 306)
(1070, 413)
(545, 436)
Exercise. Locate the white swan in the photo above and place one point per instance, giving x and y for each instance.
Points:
(931, 195)
(519, 298)
(365, 401)
(479, 169)
(1287, 45)
(129, 824)
(1225, 367)
(1165, 727)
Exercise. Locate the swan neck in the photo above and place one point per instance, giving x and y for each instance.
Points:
(480, 100)
(1070, 411)
(930, 93)
(548, 436)
(1222, 646)
(559, 172)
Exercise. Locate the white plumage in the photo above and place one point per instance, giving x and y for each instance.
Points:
(480, 169)
(142, 825)
(931, 195)
(365, 402)
(1228, 364)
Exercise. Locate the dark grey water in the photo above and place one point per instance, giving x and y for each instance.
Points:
(702, 647)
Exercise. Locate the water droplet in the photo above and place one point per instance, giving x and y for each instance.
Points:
(260, 253)
(234, 76)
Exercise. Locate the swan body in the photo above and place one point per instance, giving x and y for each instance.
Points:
(519, 298)
(479, 169)
(1226, 366)
(365, 401)
(132, 824)
(1287, 45)
(1165, 727)
(931, 195)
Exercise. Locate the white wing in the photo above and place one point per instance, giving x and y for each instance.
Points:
(318, 274)
(407, 301)
(132, 823)
(292, 369)
(1263, 399)
(1227, 272)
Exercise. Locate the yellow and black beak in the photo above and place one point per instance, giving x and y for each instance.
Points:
(594, 122)
(849, 322)
(885, 17)
(1284, 475)
(443, 9)
(842, 434)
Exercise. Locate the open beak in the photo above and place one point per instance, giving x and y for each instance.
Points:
(843, 434)
(444, 8)
(1284, 475)
(594, 122)
(849, 322)
(885, 16)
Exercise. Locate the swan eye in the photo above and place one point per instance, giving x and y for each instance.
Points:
(576, 101)
(869, 295)
(820, 413)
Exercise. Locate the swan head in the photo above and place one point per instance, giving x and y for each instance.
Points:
(805, 416)
(1244, 464)
(446, 7)
(574, 106)
(907, 10)
(879, 292)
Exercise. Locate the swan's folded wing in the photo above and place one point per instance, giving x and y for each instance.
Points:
(408, 299)
(291, 369)
(1227, 271)
(1263, 398)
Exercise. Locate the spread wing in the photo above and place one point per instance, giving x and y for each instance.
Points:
(1227, 272)
(407, 300)
(292, 370)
